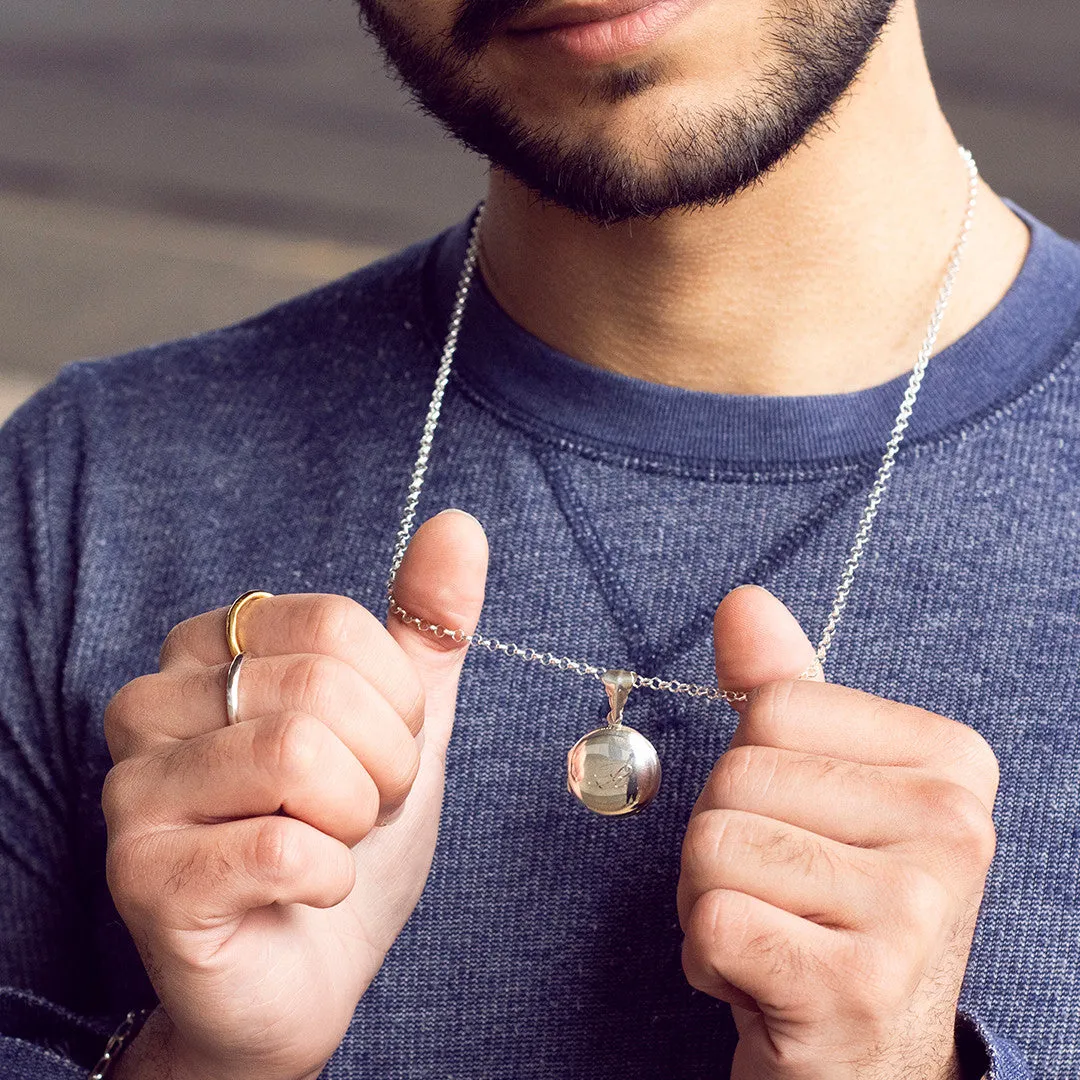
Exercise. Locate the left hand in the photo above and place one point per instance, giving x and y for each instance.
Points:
(833, 867)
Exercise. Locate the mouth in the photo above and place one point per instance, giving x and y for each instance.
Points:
(559, 15)
(599, 32)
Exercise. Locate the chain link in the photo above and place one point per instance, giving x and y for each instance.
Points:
(577, 667)
(863, 530)
(873, 502)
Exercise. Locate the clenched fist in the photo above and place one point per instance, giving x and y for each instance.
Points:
(833, 867)
(244, 859)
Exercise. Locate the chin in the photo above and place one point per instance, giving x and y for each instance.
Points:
(691, 121)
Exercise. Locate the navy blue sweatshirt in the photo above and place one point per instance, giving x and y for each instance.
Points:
(141, 490)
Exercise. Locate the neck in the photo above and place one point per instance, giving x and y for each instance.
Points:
(821, 279)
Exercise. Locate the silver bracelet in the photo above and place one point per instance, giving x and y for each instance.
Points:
(118, 1040)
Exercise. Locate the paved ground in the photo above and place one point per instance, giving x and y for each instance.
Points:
(170, 165)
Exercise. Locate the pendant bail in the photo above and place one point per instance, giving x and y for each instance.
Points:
(618, 684)
(614, 770)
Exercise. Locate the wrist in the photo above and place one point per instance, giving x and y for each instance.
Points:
(156, 1053)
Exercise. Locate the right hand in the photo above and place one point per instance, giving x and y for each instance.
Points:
(244, 859)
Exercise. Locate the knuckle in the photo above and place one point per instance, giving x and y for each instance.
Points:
(118, 794)
(288, 747)
(978, 754)
(967, 823)
(695, 969)
(332, 624)
(705, 836)
(126, 875)
(921, 901)
(277, 852)
(309, 681)
(767, 709)
(177, 644)
(124, 702)
(118, 868)
(728, 928)
(983, 843)
(123, 711)
(698, 961)
(747, 770)
(714, 923)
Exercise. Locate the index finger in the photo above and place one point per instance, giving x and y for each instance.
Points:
(851, 725)
(302, 623)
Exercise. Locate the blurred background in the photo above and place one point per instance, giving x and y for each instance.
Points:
(168, 166)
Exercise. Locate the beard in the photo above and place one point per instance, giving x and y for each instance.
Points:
(688, 158)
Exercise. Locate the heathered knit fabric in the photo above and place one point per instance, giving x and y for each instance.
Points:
(138, 491)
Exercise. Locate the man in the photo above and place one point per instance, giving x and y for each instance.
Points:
(713, 239)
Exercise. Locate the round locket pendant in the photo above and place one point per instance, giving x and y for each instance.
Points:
(614, 770)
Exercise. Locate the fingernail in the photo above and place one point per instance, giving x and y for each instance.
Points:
(455, 510)
(390, 818)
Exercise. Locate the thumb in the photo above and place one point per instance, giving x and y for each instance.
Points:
(759, 641)
(440, 581)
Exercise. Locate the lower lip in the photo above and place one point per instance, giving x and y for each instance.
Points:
(610, 39)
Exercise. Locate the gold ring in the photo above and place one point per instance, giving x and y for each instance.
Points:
(231, 620)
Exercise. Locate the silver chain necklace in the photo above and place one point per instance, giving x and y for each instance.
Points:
(615, 770)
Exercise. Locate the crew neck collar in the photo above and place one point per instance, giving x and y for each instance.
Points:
(552, 394)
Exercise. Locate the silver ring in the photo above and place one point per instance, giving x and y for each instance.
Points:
(232, 689)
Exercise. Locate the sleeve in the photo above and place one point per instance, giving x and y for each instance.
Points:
(43, 1041)
(42, 967)
(985, 1055)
